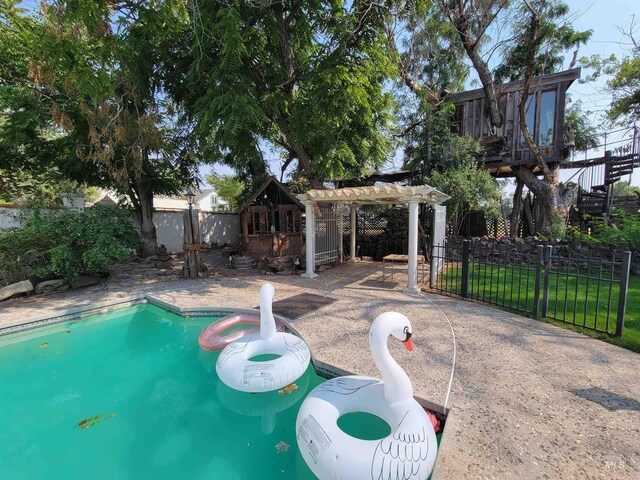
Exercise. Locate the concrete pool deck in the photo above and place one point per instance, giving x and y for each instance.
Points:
(529, 400)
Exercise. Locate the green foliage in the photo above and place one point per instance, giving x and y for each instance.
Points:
(625, 87)
(67, 244)
(82, 98)
(228, 187)
(462, 178)
(585, 134)
(624, 79)
(559, 34)
(33, 153)
(40, 188)
(623, 232)
(304, 78)
(427, 143)
(624, 189)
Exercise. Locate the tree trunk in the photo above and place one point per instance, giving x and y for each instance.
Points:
(547, 197)
(514, 221)
(143, 208)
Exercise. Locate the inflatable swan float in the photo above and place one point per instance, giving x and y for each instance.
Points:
(236, 369)
(408, 452)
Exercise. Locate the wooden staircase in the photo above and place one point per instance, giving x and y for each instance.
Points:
(595, 194)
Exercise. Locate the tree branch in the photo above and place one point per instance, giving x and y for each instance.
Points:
(534, 42)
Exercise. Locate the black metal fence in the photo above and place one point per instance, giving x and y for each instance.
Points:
(583, 291)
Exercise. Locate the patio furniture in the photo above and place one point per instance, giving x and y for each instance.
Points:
(390, 260)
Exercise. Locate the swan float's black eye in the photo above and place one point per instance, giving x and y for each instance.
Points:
(407, 333)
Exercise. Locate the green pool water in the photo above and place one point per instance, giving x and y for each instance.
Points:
(130, 394)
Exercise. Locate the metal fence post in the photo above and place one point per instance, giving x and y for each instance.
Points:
(548, 250)
(536, 293)
(464, 284)
(624, 286)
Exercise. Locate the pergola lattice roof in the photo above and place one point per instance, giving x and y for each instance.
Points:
(386, 194)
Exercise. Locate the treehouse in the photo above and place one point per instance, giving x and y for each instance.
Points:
(271, 221)
(505, 146)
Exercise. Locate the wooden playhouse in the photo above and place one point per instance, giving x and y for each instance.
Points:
(271, 221)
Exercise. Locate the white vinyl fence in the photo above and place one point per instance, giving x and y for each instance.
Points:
(215, 227)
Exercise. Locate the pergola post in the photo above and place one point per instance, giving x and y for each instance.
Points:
(310, 240)
(353, 217)
(412, 269)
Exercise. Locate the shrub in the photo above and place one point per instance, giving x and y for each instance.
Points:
(625, 232)
(67, 244)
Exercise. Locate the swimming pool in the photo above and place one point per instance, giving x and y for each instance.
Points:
(129, 394)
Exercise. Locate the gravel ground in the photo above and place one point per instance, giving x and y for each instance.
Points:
(529, 400)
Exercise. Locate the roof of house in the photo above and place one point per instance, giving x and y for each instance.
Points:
(201, 194)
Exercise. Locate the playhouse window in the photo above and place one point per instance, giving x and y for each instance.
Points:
(290, 219)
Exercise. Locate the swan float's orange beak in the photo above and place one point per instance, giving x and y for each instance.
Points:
(408, 343)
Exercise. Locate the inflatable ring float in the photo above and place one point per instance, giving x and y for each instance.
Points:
(236, 368)
(408, 452)
(213, 337)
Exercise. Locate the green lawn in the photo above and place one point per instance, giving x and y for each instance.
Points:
(580, 302)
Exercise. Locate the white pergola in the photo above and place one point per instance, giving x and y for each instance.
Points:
(387, 194)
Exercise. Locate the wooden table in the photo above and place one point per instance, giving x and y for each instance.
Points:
(392, 259)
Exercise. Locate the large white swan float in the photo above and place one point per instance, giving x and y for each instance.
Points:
(408, 452)
(236, 369)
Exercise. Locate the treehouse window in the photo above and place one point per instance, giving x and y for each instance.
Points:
(540, 117)
(547, 118)
(530, 116)
(458, 120)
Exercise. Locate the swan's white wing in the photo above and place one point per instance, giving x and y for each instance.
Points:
(297, 347)
(346, 385)
(401, 455)
(233, 349)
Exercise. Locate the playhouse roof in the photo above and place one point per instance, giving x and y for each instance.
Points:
(271, 181)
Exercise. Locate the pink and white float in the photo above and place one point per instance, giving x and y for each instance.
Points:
(214, 338)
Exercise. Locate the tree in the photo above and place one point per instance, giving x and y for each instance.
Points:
(303, 78)
(472, 21)
(469, 185)
(35, 163)
(228, 187)
(96, 67)
(625, 83)
(559, 38)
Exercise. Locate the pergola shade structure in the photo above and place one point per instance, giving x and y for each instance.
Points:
(354, 196)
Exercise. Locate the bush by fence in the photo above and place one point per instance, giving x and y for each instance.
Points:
(583, 291)
(67, 244)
